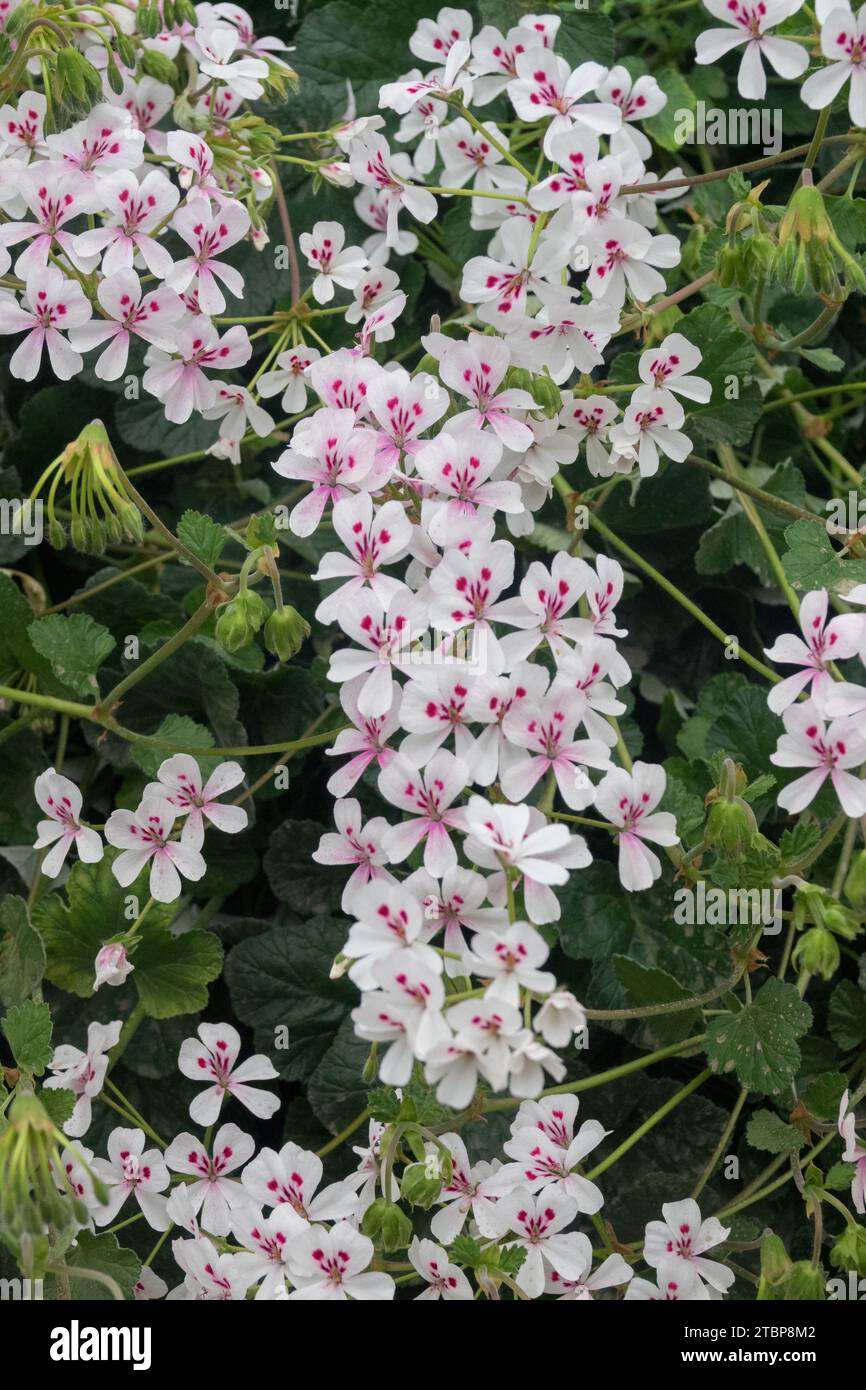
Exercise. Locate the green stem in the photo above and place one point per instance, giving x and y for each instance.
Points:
(190, 627)
(589, 1083)
(648, 1124)
(728, 1130)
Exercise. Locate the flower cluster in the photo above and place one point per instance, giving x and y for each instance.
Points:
(263, 1224)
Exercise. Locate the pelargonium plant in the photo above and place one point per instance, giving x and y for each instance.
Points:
(432, 644)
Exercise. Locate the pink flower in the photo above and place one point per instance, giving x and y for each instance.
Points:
(332, 264)
(374, 537)
(50, 303)
(428, 796)
(444, 1280)
(343, 378)
(465, 588)
(372, 165)
(404, 407)
(111, 965)
(510, 959)
(475, 369)
(292, 1176)
(405, 1012)
(828, 751)
(367, 741)
(212, 1059)
(332, 454)
(106, 139)
(433, 39)
(669, 365)
(21, 128)
(682, 1239)
(181, 783)
(457, 466)
(636, 100)
(135, 211)
(546, 597)
(214, 1191)
(573, 151)
(354, 844)
(435, 706)
(494, 59)
(83, 1073)
(452, 906)
(130, 1169)
(61, 801)
(180, 383)
(650, 428)
(209, 234)
(146, 101)
(545, 87)
(628, 800)
(853, 1153)
(751, 19)
(217, 44)
(330, 1265)
(541, 854)
(546, 733)
(382, 643)
(822, 643)
(539, 1224)
(130, 313)
(143, 838)
(290, 376)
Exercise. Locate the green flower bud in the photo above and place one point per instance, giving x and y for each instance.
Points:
(126, 50)
(806, 1283)
(159, 66)
(849, 1252)
(519, 379)
(775, 1267)
(388, 1225)
(728, 266)
(547, 394)
(240, 620)
(855, 883)
(818, 952)
(115, 80)
(285, 633)
(56, 534)
(422, 1182)
(730, 826)
(79, 533)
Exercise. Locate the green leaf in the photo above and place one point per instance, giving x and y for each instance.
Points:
(59, 1103)
(76, 647)
(367, 45)
(731, 718)
(104, 1254)
(847, 1016)
(810, 562)
(822, 1096)
(768, 1132)
(824, 358)
(172, 972)
(585, 37)
(281, 979)
(729, 364)
(650, 985)
(600, 921)
(96, 912)
(27, 1029)
(183, 732)
(733, 541)
(22, 954)
(760, 1042)
(203, 536)
(336, 1090)
(304, 886)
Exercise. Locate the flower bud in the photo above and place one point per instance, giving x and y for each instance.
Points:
(775, 1267)
(111, 966)
(849, 1251)
(388, 1225)
(240, 620)
(285, 633)
(818, 952)
(422, 1182)
(547, 395)
(855, 883)
(159, 66)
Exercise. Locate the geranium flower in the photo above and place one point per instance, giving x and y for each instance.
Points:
(213, 1193)
(828, 751)
(143, 838)
(212, 1059)
(628, 800)
(61, 801)
(751, 21)
(682, 1239)
(50, 303)
(82, 1073)
(132, 1170)
(330, 1265)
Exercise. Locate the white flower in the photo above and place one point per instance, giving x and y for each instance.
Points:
(61, 801)
(143, 838)
(83, 1073)
(751, 20)
(628, 799)
(212, 1058)
(681, 1240)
